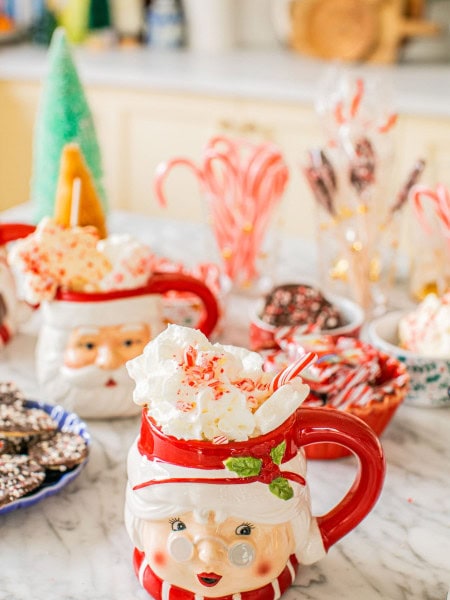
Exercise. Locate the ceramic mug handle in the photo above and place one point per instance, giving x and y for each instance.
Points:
(322, 425)
(9, 232)
(160, 283)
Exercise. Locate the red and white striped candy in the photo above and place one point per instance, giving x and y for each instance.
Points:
(355, 378)
(190, 356)
(292, 371)
(220, 439)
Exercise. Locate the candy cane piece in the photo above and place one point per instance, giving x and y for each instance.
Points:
(292, 371)
(440, 199)
(389, 123)
(356, 100)
(190, 356)
(162, 171)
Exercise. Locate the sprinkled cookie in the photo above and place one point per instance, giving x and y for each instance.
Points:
(18, 421)
(19, 475)
(62, 451)
(298, 304)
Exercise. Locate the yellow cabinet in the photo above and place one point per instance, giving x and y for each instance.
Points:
(137, 129)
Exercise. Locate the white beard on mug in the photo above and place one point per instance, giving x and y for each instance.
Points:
(86, 392)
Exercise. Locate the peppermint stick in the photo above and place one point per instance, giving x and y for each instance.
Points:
(409, 183)
(292, 371)
(440, 198)
(322, 179)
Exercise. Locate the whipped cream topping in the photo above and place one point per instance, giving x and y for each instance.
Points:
(193, 389)
(426, 330)
(74, 258)
(131, 262)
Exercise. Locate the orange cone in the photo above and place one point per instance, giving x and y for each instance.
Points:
(90, 211)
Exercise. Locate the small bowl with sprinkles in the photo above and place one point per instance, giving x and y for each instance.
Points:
(306, 309)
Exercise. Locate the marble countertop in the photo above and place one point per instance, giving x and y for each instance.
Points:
(74, 545)
(272, 75)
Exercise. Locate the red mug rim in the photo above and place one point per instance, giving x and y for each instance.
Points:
(153, 443)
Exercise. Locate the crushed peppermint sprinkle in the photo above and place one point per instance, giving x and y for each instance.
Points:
(10, 394)
(220, 439)
(204, 369)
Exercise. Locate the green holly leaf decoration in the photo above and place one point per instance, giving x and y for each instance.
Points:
(245, 466)
(277, 453)
(281, 488)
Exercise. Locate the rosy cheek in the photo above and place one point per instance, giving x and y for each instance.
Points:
(263, 568)
(74, 359)
(159, 559)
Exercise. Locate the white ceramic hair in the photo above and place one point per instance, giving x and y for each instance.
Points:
(64, 314)
(252, 501)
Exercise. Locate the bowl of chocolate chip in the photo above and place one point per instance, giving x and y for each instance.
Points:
(307, 309)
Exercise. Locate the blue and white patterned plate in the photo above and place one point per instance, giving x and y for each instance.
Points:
(66, 421)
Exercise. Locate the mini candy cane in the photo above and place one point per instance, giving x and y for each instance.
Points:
(355, 377)
(441, 204)
(358, 395)
(292, 371)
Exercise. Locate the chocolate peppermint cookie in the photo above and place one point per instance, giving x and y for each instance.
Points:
(17, 421)
(60, 452)
(19, 475)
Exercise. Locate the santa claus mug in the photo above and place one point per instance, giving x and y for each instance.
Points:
(86, 339)
(234, 520)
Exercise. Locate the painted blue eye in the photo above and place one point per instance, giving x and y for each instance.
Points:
(177, 525)
(244, 529)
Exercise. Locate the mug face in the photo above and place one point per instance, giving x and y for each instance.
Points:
(88, 373)
(105, 347)
(214, 559)
(83, 348)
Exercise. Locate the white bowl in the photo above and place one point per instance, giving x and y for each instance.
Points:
(429, 376)
(262, 335)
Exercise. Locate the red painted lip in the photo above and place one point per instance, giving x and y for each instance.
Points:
(209, 579)
(111, 383)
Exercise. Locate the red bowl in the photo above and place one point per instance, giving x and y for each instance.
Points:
(375, 413)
